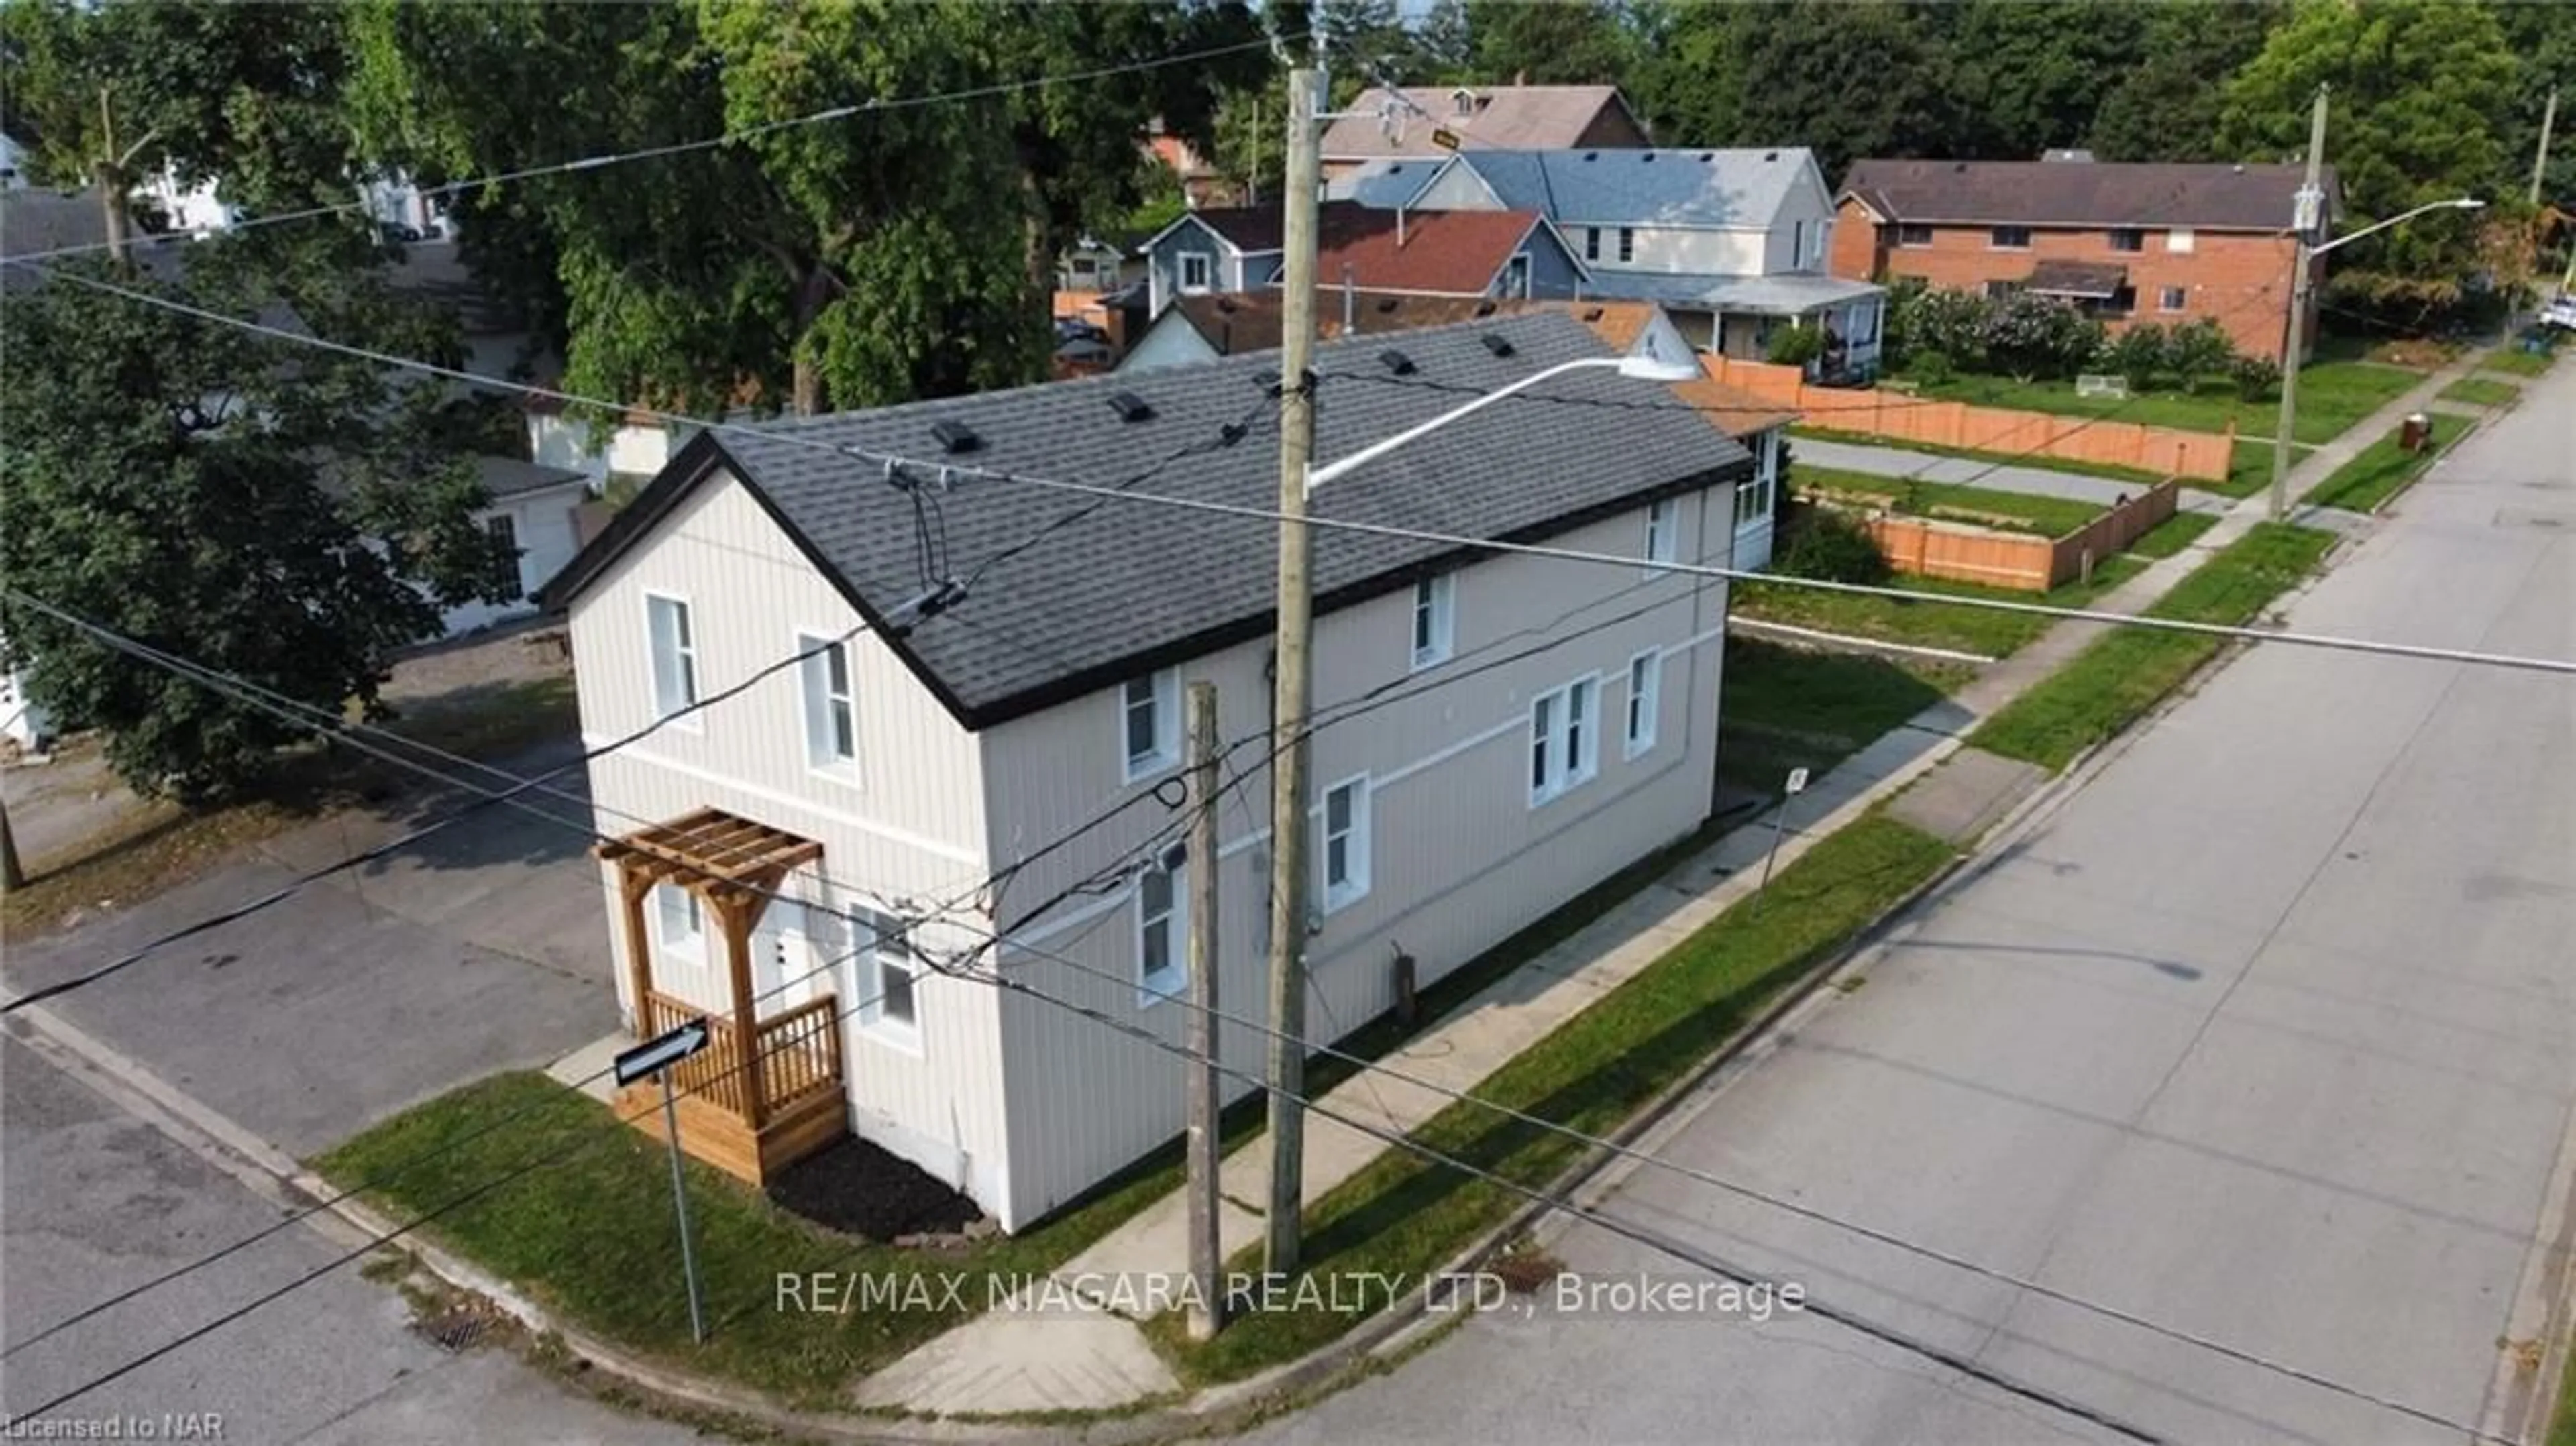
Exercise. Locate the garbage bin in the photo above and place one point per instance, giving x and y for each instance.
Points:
(2415, 433)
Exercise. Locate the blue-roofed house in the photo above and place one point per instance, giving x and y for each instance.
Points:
(1732, 243)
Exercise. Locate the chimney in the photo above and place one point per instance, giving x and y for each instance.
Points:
(1350, 300)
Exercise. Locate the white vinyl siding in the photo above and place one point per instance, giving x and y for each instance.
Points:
(1149, 723)
(1435, 619)
(674, 649)
(1663, 533)
(1163, 927)
(889, 1007)
(1344, 852)
(1565, 739)
(1645, 699)
(831, 709)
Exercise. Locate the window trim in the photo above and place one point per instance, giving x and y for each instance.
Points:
(900, 1034)
(1439, 593)
(1995, 241)
(1636, 741)
(839, 769)
(689, 948)
(1762, 486)
(1528, 270)
(1627, 243)
(1166, 756)
(1358, 835)
(1153, 988)
(1581, 727)
(680, 718)
(1908, 231)
(1181, 273)
(2172, 300)
(1591, 243)
(1662, 547)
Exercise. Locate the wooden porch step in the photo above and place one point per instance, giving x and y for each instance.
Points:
(712, 1134)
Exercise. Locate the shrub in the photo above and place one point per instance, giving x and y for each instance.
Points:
(2198, 348)
(1829, 546)
(1795, 346)
(1902, 333)
(1954, 323)
(1934, 368)
(2030, 336)
(2257, 378)
(2136, 355)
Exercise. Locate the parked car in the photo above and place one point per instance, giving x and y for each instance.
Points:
(2560, 313)
(1069, 329)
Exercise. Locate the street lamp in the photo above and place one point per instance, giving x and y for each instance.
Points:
(1657, 357)
(2299, 287)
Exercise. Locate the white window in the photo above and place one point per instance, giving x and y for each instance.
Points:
(1663, 532)
(1516, 276)
(1198, 271)
(831, 710)
(675, 654)
(2173, 298)
(1565, 748)
(1344, 857)
(1591, 243)
(2179, 240)
(1645, 699)
(891, 969)
(1753, 496)
(1149, 722)
(1435, 619)
(1163, 925)
(681, 927)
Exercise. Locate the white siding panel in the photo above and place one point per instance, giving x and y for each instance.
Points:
(1676, 249)
(1459, 858)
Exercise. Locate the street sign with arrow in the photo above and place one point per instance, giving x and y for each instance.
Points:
(662, 1051)
(653, 1059)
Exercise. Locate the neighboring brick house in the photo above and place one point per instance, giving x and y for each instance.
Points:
(2161, 242)
(1497, 117)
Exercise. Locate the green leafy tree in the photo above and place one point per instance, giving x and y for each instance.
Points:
(1690, 77)
(2256, 378)
(1445, 43)
(2198, 349)
(2422, 93)
(2542, 39)
(2029, 336)
(2165, 107)
(2137, 354)
(1796, 345)
(1575, 42)
(2036, 70)
(1844, 80)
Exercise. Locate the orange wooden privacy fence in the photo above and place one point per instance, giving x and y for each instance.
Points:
(2165, 451)
(1966, 553)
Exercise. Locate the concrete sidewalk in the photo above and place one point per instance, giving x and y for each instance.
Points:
(2030, 481)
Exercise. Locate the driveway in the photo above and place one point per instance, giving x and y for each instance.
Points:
(93, 1201)
(483, 948)
(2266, 1036)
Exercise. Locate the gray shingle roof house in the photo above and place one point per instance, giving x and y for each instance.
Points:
(1134, 585)
(1495, 732)
(1737, 188)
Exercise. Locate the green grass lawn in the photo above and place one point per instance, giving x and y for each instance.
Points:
(2332, 396)
(1403, 1214)
(2122, 674)
(2562, 1425)
(590, 1234)
(1984, 631)
(2482, 392)
(1783, 707)
(2249, 468)
(2172, 535)
(2516, 362)
(2382, 470)
(1993, 507)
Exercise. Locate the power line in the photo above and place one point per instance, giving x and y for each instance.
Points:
(644, 153)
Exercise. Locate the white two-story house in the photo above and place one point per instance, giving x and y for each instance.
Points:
(839, 862)
(1734, 243)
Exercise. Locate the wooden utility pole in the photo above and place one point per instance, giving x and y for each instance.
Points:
(2540, 161)
(1198, 1030)
(2311, 219)
(12, 876)
(1294, 695)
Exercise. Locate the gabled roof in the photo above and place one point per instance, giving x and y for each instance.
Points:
(1386, 184)
(1454, 252)
(1742, 188)
(2212, 196)
(1251, 229)
(1135, 585)
(1236, 322)
(1505, 116)
(505, 477)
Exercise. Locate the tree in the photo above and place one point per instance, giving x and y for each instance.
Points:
(1796, 345)
(2029, 335)
(2198, 348)
(1573, 42)
(1445, 45)
(2036, 70)
(2137, 354)
(2421, 93)
(1689, 79)
(1844, 80)
(2542, 38)
(2165, 107)
(280, 515)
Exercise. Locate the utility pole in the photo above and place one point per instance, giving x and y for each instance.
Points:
(12, 876)
(2310, 218)
(1294, 689)
(1198, 1030)
(112, 181)
(2540, 161)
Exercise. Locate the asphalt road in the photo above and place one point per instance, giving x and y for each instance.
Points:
(93, 1201)
(2267, 1036)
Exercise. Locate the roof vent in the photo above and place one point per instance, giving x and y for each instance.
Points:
(1396, 362)
(1386, 305)
(1130, 407)
(1592, 313)
(2240, 168)
(1496, 344)
(1707, 156)
(1770, 155)
(1644, 157)
(1961, 168)
(1267, 380)
(1485, 307)
(1591, 155)
(955, 436)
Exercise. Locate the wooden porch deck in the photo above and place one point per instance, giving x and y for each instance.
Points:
(753, 1115)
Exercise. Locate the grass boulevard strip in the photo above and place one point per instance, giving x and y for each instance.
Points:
(568, 1234)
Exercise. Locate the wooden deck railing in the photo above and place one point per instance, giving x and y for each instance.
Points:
(800, 1053)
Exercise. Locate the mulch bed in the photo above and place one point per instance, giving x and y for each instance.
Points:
(862, 1189)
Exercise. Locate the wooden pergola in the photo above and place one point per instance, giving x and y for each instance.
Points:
(734, 865)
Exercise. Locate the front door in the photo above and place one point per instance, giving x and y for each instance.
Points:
(786, 969)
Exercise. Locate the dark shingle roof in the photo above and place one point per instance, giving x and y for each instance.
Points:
(2209, 196)
(1137, 585)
